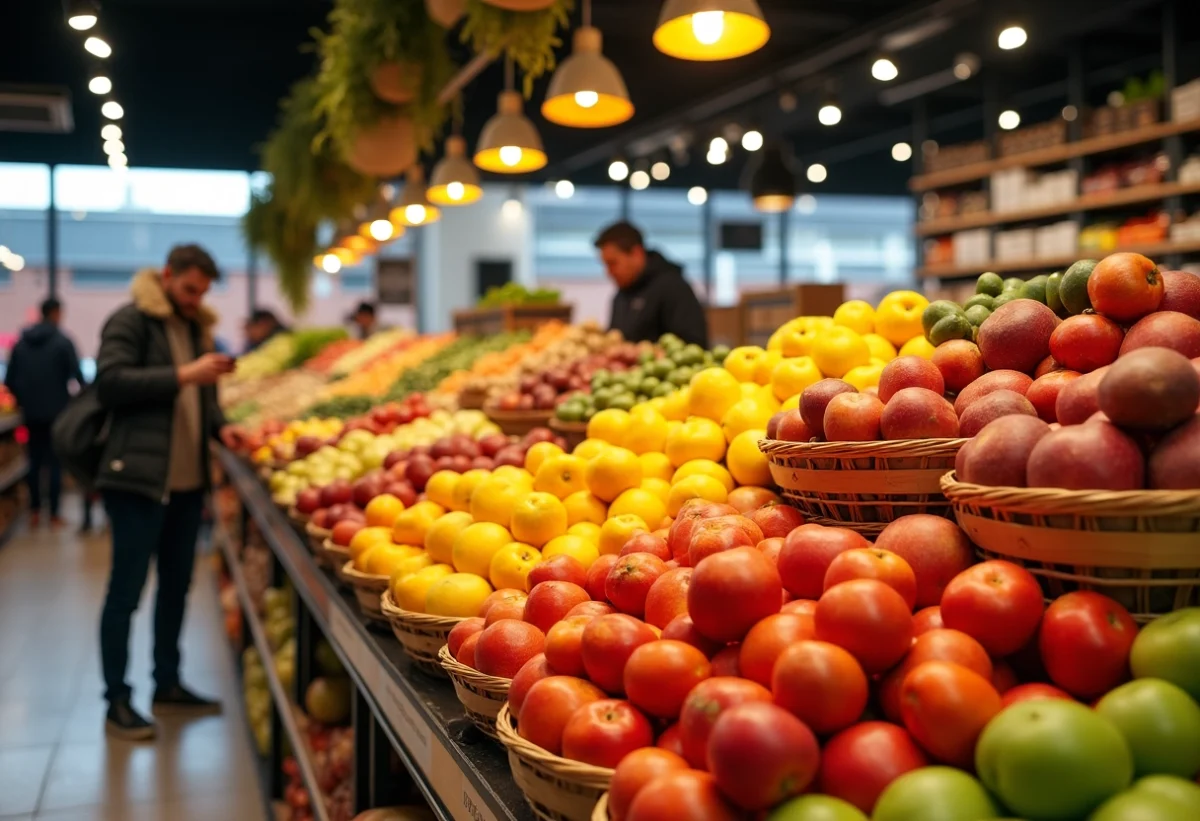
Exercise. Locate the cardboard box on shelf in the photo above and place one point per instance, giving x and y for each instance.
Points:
(972, 247)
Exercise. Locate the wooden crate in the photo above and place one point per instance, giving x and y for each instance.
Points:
(724, 325)
(764, 311)
(489, 321)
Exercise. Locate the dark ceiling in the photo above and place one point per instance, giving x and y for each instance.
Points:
(200, 79)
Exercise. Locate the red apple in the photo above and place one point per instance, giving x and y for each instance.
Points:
(561, 568)
(909, 372)
(712, 536)
(550, 601)
(630, 579)
(608, 641)
(504, 647)
(777, 520)
(934, 547)
(807, 553)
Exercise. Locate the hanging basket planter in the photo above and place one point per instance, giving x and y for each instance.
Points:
(396, 82)
(386, 149)
(446, 12)
(521, 5)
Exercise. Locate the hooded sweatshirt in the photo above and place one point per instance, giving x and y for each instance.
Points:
(42, 364)
(660, 301)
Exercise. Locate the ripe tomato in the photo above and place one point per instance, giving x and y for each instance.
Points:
(1084, 643)
(858, 763)
(867, 618)
(685, 795)
(732, 591)
(630, 580)
(725, 661)
(946, 706)
(667, 598)
(604, 732)
(936, 645)
(536, 669)
(997, 603)
(681, 628)
(821, 684)
(634, 772)
(671, 740)
(551, 702)
(659, 676)
(1004, 677)
(873, 563)
(926, 619)
(608, 642)
(807, 553)
(761, 755)
(1029, 692)
(704, 706)
(767, 639)
(801, 606)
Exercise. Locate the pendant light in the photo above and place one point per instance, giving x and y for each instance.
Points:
(413, 208)
(710, 29)
(587, 90)
(377, 224)
(455, 181)
(510, 143)
(772, 181)
(349, 239)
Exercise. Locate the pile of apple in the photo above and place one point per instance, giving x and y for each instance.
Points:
(546, 389)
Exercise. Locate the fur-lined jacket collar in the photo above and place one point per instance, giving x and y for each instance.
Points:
(150, 298)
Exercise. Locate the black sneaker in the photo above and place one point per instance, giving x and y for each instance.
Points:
(179, 699)
(123, 721)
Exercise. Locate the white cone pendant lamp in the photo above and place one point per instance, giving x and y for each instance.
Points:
(710, 29)
(455, 181)
(414, 208)
(510, 143)
(587, 90)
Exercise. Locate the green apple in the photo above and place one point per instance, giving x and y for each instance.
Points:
(935, 794)
(1179, 790)
(1053, 759)
(816, 808)
(1138, 805)
(1161, 724)
(1169, 648)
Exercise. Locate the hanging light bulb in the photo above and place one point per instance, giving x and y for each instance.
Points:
(773, 182)
(112, 131)
(618, 171)
(330, 263)
(414, 207)
(710, 29)
(660, 171)
(112, 109)
(1008, 120)
(817, 173)
(1012, 37)
(97, 47)
(752, 140)
(350, 243)
(382, 230)
(884, 70)
(830, 113)
(639, 180)
(114, 147)
(82, 14)
(510, 143)
(100, 84)
(117, 161)
(455, 181)
(697, 196)
(902, 152)
(587, 90)
(564, 189)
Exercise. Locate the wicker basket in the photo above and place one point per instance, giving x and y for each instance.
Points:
(368, 589)
(862, 485)
(573, 432)
(600, 811)
(481, 696)
(557, 789)
(335, 556)
(472, 398)
(422, 636)
(297, 517)
(518, 423)
(1140, 547)
(316, 541)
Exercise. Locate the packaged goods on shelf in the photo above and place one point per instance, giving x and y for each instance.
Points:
(1017, 189)
(1187, 230)
(1015, 245)
(1042, 135)
(973, 247)
(1185, 102)
(1189, 172)
(1098, 238)
(1058, 240)
(1144, 230)
(946, 157)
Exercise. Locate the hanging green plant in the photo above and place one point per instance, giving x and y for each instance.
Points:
(529, 38)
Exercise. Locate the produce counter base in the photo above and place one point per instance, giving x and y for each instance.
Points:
(463, 774)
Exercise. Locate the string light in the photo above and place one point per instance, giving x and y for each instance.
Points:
(697, 196)
(565, 189)
(660, 171)
(639, 180)
(97, 47)
(884, 70)
(100, 85)
(1011, 38)
(618, 171)
(902, 152)
(1009, 119)
(817, 173)
(112, 109)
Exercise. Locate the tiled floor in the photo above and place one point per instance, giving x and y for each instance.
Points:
(55, 761)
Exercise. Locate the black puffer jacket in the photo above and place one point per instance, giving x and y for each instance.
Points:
(660, 301)
(136, 380)
(41, 366)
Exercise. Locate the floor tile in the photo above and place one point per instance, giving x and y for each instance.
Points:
(22, 773)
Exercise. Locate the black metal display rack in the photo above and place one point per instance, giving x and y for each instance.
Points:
(13, 467)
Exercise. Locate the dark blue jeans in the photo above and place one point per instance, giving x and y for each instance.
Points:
(141, 528)
(42, 460)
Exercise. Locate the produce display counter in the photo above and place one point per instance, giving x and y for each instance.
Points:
(462, 774)
(9, 422)
(13, 472)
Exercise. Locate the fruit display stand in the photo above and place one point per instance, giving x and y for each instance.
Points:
(398, 707)
(13, 467)
(763, 312)
(482, 696)
(724, 325)
(509, 318)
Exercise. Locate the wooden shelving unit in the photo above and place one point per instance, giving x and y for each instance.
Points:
(1154, 251)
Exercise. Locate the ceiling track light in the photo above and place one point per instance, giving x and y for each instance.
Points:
(772, 181)
(510, 143)
(587, 90)
(710, 29)
(884, 69)
(82, 15)
(455, 181)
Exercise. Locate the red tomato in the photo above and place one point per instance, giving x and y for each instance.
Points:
(807, 553)
(766, 640)
(607, 644)
(873, 563)
(659, 675)
(551, 702)
(1004, 677)
(936, 645)
(731, 592)
(604, 732)
(681, 628)
(996, 602)
(667, 599)
(634, 772)
(869, 619)
(725, 661)
(801, 606)
(761, 755)
(946, 706)
(671, 740)
(821, 684)
(1084, 643)
(858, 763)
(704, 706)
(926, 619)
(686, 795)
(536, 669)
(1029, 692)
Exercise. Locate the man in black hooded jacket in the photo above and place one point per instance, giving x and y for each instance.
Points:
(40, 369)
(652, 298)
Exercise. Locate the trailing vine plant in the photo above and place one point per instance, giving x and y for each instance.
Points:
(528, 38)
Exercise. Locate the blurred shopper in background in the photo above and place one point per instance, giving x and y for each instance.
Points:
(261, 326)
(41, 368)
(364, 320)
(156, 374)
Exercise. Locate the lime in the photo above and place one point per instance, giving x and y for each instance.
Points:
(989, 284)
(950, 326)
(979, 299)
(1014, 284)
(719, 352)
(669, 340)
(1073, 291)
(1035, 289)
(1053, 296)
(623, 401)
(1005, 298)
(646, 357)
(665, 389)
(935, 312)
(649, 384)
(977, 313)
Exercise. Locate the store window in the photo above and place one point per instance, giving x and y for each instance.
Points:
(564, 230)
(855, 240)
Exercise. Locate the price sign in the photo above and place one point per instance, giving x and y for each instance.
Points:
(473, 808)
(414, 732)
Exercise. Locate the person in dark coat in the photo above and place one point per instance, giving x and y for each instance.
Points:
(261, 326)
(156, 373)
(652, 296)
(41, 369)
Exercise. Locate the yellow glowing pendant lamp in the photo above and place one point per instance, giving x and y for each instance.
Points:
(349, 239)
(510, 143)
(710, 29)
(455, 181)
(587, 90)
(414, 208)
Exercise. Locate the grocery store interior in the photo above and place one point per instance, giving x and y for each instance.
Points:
(606, 410)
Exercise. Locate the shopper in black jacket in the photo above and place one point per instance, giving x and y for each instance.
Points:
(156, 373)
(652, 298)
(40, 371)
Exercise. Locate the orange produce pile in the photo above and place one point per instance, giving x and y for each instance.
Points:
(502, 362)
(378, 377)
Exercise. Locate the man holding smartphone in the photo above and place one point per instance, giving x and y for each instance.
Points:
(156, 374)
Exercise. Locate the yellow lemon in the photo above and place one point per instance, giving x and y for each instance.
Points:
(439, 539)
(749, 389)
(647, 431)
(856, 315)
(675, 405)
(765, 366)
(459, 595)
(368, 537)
(511, 565)
(704, 467)
(538, 454)
(582, 506)
(697, 438)
(615, 532)
(538, 518)
(798, 342)
(582, 550)
(476, 544)
(742, 362)
(561, 475)
(880, 348)
(590, 448)
(383, 510)
(413, 523)
(713, 392)
(838, 350)
(791, 403)
(695, 487)
(609, 425)
(612, 472)
(494, 500)
(383, 559)
(792, 376)
(513, 473)
(659, 487)
(645, 505)
(464, 488)
(747, 463)
(440, 488)
(747, 413)
(585, 530)
(918, 346)
(409, 593)
(898, 318)
(864, 376)
(656, 465)
(412, 564)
